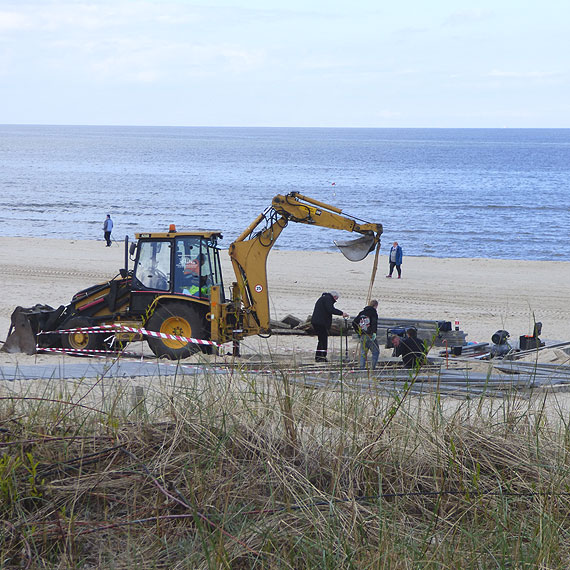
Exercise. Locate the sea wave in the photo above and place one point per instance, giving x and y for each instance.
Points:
(439, 192)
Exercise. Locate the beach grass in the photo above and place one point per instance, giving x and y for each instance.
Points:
(256, 470)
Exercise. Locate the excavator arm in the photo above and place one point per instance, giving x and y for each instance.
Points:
(249, 251)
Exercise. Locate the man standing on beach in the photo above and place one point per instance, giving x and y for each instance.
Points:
(366, 324)
(107, 229)
(395, 259)
(322, 321)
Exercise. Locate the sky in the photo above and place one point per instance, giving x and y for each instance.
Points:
(294, 63)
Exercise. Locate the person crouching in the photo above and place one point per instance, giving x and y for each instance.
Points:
(411, 349)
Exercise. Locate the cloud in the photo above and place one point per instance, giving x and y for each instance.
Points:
(467, 17)
(410, 31)
(76, 17)
(141, 42)
(150, 61)
(387, 114)
(523, 74)
(14, 21)
(71, 15)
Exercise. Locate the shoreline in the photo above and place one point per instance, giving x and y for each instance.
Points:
(383, 251)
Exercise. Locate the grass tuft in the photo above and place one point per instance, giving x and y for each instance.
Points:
(255, 470)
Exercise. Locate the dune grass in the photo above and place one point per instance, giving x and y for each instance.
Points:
(247, 470)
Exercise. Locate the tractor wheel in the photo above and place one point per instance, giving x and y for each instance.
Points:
(177, 319)
(81, 340)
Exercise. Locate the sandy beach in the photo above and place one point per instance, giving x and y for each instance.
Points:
(484, 295)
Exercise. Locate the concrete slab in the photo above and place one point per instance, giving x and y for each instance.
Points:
(94, 369)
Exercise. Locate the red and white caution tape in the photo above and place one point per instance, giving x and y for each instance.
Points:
(123, 328)
(100, 329)
(157, 334)
(87, 352)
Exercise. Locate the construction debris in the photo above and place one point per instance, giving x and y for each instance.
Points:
(438, 333)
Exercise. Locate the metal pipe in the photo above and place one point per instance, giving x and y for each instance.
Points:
(373, 276)
(126, 254)
(298, 196)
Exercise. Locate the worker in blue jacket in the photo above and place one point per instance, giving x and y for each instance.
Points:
(395, 259)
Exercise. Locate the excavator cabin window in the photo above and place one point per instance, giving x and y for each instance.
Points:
(196, 266)
(184, 265)
(152, 269)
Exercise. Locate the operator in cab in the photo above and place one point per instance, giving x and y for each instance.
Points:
(192, 278)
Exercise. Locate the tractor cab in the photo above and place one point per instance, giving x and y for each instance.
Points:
(175, 263)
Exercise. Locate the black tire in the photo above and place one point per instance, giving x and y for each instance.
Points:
(84, 340)
(179, 319)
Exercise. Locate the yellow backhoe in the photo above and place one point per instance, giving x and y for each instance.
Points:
(175, 287)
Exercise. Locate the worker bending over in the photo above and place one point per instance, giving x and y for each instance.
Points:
(366, 325)
(411, 349)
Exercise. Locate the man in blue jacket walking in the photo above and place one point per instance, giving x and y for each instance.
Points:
(395, 259)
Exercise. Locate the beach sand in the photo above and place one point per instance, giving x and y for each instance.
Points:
(484, 295)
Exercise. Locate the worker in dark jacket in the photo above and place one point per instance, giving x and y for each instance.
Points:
(411, 349)
(366, 326)
(322, 320)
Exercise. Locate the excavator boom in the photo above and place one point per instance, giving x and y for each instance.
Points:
(250, 250)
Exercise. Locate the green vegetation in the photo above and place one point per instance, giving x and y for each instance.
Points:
(243, 470)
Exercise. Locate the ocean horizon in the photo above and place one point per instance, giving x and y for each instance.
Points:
(495, 193)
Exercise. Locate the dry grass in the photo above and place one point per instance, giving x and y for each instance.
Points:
(251, 471)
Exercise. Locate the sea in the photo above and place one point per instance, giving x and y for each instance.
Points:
(495, 193)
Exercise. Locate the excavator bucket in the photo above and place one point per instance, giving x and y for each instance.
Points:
(21, 337)
(25, 325)
(358, 249)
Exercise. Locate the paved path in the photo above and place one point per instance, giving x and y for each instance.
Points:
(94, 369)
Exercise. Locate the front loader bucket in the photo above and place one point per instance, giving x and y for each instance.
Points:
(21, 337)
(358, 249)
(25, 325)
